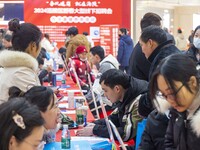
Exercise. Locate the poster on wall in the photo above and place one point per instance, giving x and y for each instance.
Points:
(56, 16)
(109, 38)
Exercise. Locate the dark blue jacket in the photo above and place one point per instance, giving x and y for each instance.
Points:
(125, 49)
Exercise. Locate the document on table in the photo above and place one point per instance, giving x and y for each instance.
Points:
(77, 143)
(90, 139)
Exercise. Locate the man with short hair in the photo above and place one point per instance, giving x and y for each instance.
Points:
(125, 90)
(155, 47)
(139, 65)
(102, 63)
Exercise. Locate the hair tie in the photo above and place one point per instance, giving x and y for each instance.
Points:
(18, 119)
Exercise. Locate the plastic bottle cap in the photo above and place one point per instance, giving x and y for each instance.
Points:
(65, 126)
(84, 107)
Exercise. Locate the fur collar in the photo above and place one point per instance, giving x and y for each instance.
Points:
(162, 106)
(195, 122)
(10, 58)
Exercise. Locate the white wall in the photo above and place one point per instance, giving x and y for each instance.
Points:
(180, 16)
(183, 17)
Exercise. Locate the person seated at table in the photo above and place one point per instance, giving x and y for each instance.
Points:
(20, 64)
(6, 41)
(45, 99)
(21, 125)
(43, 72)
(102, 63)
(126, 90)
(82, 68)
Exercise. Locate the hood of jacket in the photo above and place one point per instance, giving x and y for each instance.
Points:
(110, 58)
(127, 39)
(162, 106)
(9, 58)
(136, 88)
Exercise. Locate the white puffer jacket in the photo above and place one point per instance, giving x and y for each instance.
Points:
(19, 69)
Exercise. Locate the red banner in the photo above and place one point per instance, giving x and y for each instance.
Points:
(56, 16)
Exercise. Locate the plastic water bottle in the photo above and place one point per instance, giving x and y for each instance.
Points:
(66, 139)
(54, 64)
(63, 80)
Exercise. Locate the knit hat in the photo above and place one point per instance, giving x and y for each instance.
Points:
(81, 49)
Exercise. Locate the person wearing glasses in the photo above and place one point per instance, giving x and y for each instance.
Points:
(175, 86)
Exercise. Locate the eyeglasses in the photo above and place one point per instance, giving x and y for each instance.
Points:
(36, 147)
(170, 96)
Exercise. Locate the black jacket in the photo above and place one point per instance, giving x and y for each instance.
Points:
(125, 116)
(154, 133)
(183, 134)
(139, 65)
(192, 52)
(163, 50)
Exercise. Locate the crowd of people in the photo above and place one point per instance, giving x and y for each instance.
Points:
(157, 79)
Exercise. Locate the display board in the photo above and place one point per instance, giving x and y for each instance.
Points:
(56, 16)
(109, 38)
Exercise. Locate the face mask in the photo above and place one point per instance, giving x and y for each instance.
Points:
(83, 59)
(67, 38)
(196, 42)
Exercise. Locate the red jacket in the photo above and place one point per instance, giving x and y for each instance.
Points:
(82, 69)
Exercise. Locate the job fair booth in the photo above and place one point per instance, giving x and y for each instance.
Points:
(101, 19)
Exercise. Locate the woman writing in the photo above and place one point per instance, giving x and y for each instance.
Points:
(176, 80)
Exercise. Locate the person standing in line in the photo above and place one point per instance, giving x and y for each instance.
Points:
(125, 49)
(139, 65)
(155, 47)
(73, 41)
(181, 42)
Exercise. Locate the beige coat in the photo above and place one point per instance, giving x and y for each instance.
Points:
(19, 69)
(74, 42)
